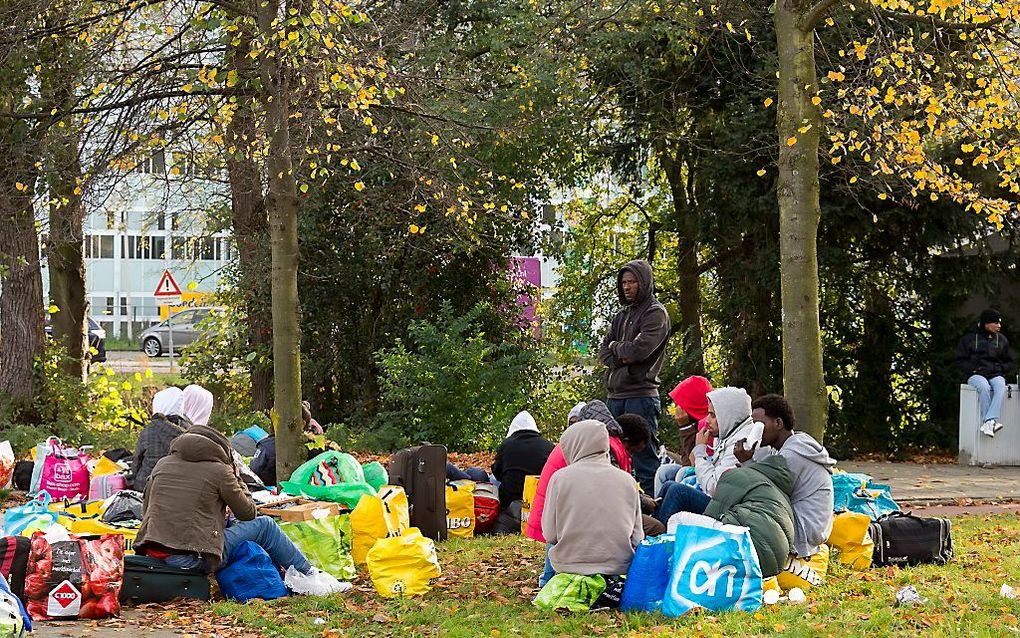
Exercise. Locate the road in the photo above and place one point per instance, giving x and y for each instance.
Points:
(136, 361)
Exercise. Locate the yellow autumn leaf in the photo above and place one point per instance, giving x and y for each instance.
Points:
(420, 208)
(20, 186)
(790, 141)
(729, 27)
(768, 102)
(883, 196)
(359, 186)
(761, 172)
(303, 188)
(967, 148)
(435, 140)
(53, 309)
(355, 166)
(413, 228)
(192, 285)
(816, 100)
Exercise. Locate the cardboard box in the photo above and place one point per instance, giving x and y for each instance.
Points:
(307, 511)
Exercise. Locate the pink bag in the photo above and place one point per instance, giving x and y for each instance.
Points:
(103, 487)
(64, 474)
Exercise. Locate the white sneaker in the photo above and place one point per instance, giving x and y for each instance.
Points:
(996, 426)
(988, 428)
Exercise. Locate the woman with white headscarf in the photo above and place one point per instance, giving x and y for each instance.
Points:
(197, 404)
(164, 427)
(522, 453)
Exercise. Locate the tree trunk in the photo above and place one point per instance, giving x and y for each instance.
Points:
(21, 301)
(687, 222)
(251, 232)
(283, 213)
(65, 257)
(799, 126)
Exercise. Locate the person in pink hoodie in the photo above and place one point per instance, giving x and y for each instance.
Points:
(619, 454)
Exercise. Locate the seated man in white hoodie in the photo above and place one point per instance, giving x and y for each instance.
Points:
(729, 421)
(810, 464)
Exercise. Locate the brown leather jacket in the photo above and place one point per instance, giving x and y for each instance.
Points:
(187, 495)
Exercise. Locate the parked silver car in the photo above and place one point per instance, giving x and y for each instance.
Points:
(155, 341)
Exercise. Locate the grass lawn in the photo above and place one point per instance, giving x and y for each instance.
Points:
(488, 583)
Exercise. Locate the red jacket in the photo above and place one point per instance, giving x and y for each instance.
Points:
(557, 462)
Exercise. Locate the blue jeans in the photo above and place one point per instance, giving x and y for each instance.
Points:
(547, 572)
(265, 533)
(991, 393)
(677, 497)
(666, 472)
(646, 462)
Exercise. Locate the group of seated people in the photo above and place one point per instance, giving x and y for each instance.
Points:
(589, 509)
(189, 476)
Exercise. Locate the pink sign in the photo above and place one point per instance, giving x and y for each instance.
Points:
(529, 271)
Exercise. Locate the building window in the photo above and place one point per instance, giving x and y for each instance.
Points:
(208, 249)
(161, 220)
(154, 164)
(111, 220)
(158, 247)
(173, 222)
(124, 306)
(109, 306)
(99, 247)
(179, 248)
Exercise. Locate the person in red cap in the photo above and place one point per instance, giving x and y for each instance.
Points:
(690, 398)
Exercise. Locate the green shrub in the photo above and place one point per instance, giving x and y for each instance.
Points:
(450, 384)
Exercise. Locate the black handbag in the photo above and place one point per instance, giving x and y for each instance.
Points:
(903, 539)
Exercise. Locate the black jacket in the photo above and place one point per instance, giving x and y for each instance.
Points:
(635, 345)
(153, 444)
(523, 453)
(263, 464)
(981, 352)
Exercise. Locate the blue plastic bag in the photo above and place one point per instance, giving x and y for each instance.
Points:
(857, 493)
(713, 568)
(249, 574)
(648, 576)
(34, 514)
(13, 617)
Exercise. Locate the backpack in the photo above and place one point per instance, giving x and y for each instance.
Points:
(486, 507)
(904, 539)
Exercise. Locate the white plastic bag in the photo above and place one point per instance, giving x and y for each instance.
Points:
(7, 461)
(317, 583)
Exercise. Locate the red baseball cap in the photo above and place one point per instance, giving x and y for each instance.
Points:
(691, 394)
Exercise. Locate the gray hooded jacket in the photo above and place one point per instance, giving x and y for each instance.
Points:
(635, 345)
(592, 513)
(811, 466)
(733, 412)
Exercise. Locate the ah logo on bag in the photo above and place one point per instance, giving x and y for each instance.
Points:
(704, 579)
(64, 600)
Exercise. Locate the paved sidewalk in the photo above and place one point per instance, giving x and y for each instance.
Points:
(916, 483)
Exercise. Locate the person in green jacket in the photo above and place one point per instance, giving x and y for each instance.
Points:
(758, 497)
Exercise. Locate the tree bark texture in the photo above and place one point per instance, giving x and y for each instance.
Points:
(687, 221)
(282, 204)
(251, 232)
(799, 126)
(21, 302)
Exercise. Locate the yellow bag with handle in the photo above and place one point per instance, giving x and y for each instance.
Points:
(85, 519)
(530, 489)
(460, 508)
(403, 565)
(105, 466)
(804, 572)
(851, 538)
(379, 516)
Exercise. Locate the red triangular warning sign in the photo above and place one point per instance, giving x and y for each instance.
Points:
(167, 287)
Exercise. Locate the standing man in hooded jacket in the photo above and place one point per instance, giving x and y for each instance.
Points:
(984, 360)
(632, 352)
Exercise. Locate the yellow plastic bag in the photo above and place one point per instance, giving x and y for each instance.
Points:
(94, 526)
(403, 565)
(530, 489)
(377, 517)
(79, 509)
(105, 466)
(460, 508)
(770, 583)
(804, 573)
(851, 537)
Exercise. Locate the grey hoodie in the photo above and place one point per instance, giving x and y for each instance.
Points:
(592, 513)
(811, 466)
(733, 412)
(635, 345)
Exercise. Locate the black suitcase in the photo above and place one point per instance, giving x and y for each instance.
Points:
(421, 471)
(149, 580)
(903, 539)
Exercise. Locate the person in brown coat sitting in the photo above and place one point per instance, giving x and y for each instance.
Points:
(184, 509)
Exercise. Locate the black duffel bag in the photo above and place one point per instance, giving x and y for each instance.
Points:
(904, 539)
